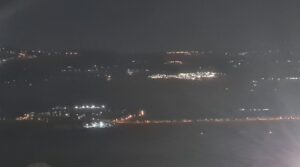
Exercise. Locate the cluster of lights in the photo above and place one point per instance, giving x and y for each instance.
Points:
(292, 78)
(24, 55)
(186, 76)
(83, 107)
(189, 121)
(279, 79)
(141, 113)
(185, 53)
(130, 117)
(86, 112)
(100, 124)
(29, 54)
(71, 53)
(124, 119)
(131, 72)
(236, 63)
(174, 62)
(108, 77)
(254, 109)
(60, 108)
(25, 117)
(94, 68)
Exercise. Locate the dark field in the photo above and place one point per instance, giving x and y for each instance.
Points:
(248, 144)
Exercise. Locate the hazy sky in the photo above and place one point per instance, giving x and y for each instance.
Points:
(149, 25)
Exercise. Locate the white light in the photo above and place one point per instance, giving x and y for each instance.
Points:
(100, 124)
(186, 76)
(174, 62)
(130, 72)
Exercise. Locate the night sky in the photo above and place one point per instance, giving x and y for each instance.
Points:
(147, 26)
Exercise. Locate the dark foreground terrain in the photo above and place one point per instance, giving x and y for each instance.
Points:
(248, 144)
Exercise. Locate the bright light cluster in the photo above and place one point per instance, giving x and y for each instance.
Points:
(292, 78)
(183, 52)
(77, 112)
(89, 107)
(254, 109)
(186, 76)
(141, 113)
(79, 107)
(130, 117)
(99, 124)
(25, 117)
